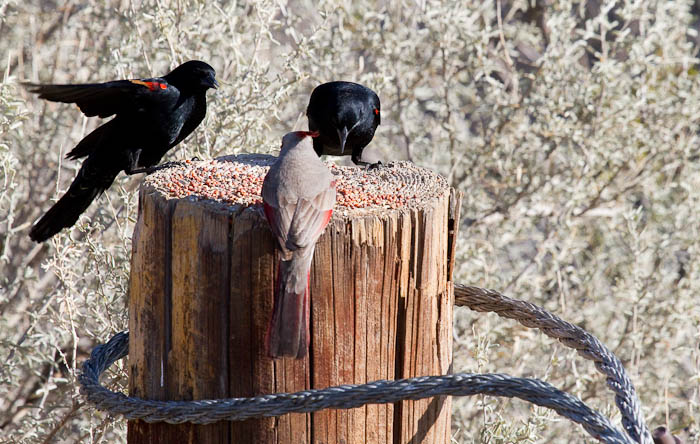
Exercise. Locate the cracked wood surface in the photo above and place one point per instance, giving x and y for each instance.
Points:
(201, 294)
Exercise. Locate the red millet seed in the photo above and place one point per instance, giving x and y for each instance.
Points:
(239, 182)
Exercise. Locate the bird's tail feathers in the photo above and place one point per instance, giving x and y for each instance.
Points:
(70, 206)
(288, 333)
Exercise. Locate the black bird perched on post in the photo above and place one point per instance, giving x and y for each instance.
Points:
(346, 115)
(152, 116)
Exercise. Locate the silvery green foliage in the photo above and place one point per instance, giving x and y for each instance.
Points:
(570, 126)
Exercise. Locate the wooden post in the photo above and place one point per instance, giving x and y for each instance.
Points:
(201, 296)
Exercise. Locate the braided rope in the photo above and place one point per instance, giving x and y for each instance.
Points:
(381, 392)
(338, 397)
(587, 346)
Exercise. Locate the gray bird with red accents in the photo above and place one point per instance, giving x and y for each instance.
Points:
(298, 196)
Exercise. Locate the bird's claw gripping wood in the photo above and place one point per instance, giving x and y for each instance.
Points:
(166, 165)
(375, 166)
(163, 166)
(368, 165)
(132, 168)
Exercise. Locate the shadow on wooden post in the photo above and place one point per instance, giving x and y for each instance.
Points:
(381, 299)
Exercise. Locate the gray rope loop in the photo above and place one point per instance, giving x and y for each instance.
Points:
(382, 392)
(338, 397)
(572, 336)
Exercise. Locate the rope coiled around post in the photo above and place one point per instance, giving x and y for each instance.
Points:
(338, 397)
(382, 392)
(587, 346)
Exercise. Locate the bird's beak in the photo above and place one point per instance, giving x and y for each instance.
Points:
(342, 136)
(211, 82)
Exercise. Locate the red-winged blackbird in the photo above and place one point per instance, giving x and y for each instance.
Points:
(346, 115)
(152, 116)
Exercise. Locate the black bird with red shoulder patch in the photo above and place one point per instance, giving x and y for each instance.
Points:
(346, 116)
(151, 117)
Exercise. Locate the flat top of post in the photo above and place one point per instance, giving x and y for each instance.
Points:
(235, 181)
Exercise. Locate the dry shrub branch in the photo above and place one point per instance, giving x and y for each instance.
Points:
(570, 126)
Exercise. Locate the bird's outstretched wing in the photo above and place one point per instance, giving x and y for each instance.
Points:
(109, 98)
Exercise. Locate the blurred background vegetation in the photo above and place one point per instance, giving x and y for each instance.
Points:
(571, 127)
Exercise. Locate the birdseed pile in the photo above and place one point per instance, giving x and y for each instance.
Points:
(237, 180)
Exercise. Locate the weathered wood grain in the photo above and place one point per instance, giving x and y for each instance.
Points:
(202, 285)
(148, 325)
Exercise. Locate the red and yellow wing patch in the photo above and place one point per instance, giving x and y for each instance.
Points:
(153, 86)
